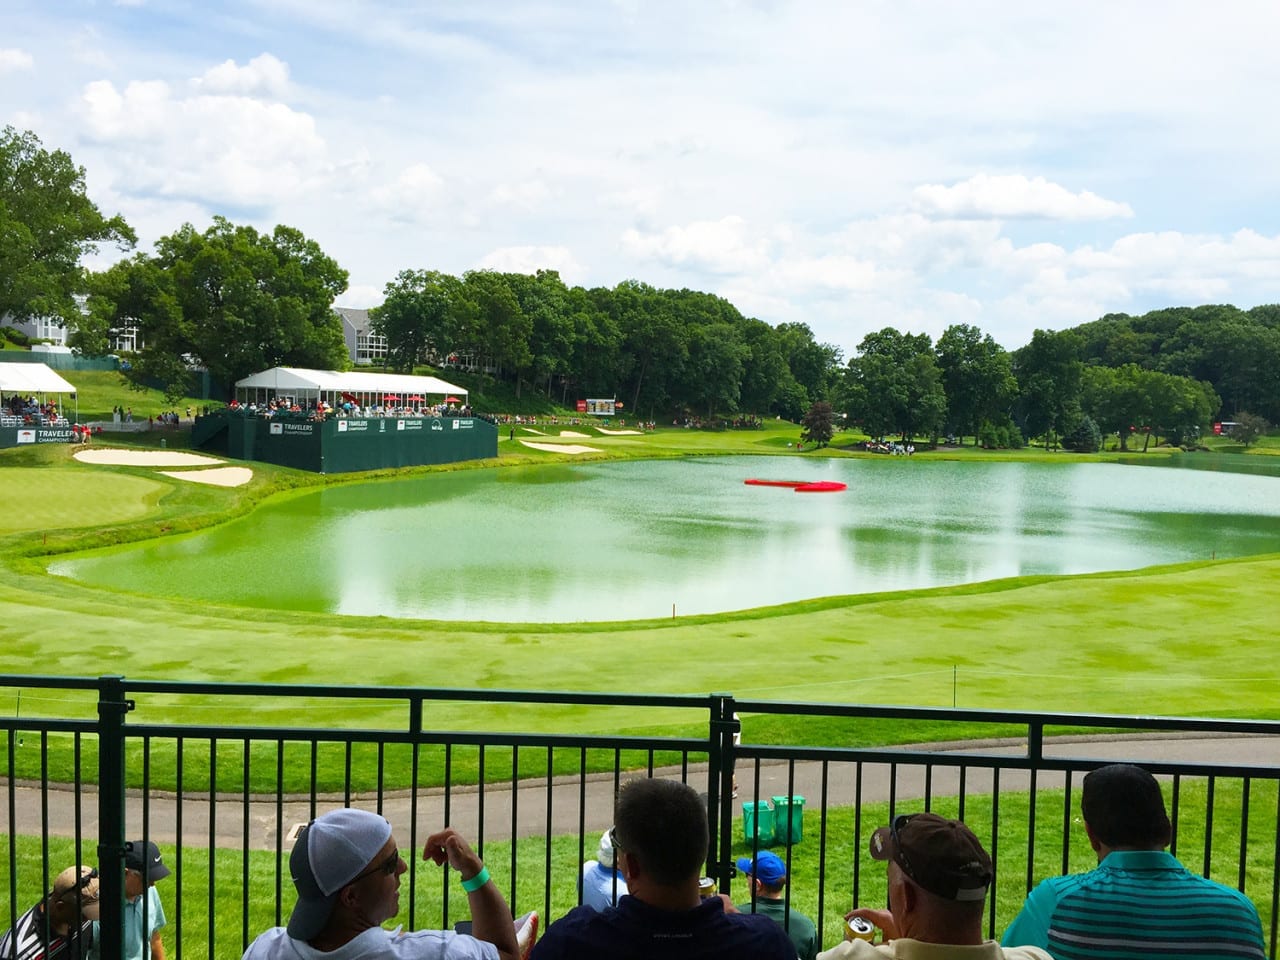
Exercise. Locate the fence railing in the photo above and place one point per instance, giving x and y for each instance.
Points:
(529, 778)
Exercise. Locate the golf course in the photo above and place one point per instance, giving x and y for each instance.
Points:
(1187, 638)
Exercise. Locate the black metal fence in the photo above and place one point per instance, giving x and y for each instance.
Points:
(88, 763)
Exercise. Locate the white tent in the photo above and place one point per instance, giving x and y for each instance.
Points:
(295, 381)
(31, 378)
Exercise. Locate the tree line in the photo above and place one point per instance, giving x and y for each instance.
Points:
(235, 300)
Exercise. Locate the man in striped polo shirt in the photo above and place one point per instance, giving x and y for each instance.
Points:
(1140, 902)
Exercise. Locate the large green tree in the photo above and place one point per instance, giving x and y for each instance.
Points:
(424, 315)
(977, 376)
(502, 328)
(47, 224)
(1048, 370)
(230, 299)
(894, 385)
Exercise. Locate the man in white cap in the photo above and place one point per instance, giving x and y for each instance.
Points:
(602, 882)
(346, 868)
(59, 927)
(939, 875)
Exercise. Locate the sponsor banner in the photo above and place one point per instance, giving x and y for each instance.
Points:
(292, 429)
(601, 407)
(411, 425)
(41, 435)
(353, 426)
(437, 425)
(465, 424)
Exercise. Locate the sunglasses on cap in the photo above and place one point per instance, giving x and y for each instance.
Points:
(77, 894)
(900, 854)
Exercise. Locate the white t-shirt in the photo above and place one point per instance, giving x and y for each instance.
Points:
(375, 944)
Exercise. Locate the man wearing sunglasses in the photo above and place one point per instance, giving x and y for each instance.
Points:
(346, 868)
(938, 880)
(59, 927)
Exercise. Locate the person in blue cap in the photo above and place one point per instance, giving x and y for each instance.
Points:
(768, 879)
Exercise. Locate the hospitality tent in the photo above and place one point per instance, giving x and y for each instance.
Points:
(333, 385)
(32, 378)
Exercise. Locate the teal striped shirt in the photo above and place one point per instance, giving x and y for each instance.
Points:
(1136, 905)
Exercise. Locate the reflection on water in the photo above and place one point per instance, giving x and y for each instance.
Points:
(617, 541)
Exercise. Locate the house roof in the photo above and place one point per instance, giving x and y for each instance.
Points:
(334, 381)
(32, 378)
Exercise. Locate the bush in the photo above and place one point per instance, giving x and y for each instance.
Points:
(15, 336)
(1000, 436)
(1085, 438)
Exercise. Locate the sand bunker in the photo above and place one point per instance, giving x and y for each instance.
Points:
(575, 434)
(219, 476)
(532, 430)
(619, 433)
(560, 447)
(144, 458)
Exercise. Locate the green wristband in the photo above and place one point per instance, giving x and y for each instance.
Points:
(476, 882)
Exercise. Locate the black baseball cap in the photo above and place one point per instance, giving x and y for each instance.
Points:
(144, 856)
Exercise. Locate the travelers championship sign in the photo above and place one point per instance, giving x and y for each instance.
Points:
(38, 435)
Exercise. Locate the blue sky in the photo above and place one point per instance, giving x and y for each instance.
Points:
(849, 165)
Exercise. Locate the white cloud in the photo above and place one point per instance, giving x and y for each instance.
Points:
(234, 150)
(362, 296)
(263, 76)
(1014, 196)
(414, 196)
(12, 60)
(532, 259)
(720, 246)
(528, 195)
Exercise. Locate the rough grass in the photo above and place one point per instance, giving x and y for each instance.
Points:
(1148, 641)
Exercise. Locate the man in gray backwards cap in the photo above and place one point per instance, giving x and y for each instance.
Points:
(938, 880)
(346, 868)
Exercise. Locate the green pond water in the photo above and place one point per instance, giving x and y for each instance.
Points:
(628, 540)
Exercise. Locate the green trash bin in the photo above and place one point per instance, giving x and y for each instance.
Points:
(757, 812)
(788, 819)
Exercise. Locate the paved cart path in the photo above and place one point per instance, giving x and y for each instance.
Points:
(529, 809)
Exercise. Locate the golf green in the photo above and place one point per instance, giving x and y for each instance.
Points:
(63, 499)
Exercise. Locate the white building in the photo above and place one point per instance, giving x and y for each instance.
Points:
(364, 347)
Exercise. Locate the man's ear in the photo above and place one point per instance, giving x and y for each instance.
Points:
(1093, 839)
(348, 897)
(626, 865)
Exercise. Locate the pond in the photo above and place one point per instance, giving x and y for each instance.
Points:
(637, 539)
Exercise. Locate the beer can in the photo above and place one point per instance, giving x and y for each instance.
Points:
(707, 887)
(855, 928)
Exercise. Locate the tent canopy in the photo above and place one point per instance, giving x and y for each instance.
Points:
(296, 379)
(33, 378)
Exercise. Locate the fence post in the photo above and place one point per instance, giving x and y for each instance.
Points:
(112, 707)
(721, 760)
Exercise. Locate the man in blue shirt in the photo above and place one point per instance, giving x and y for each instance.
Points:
(660, 842)
(1140, 902)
